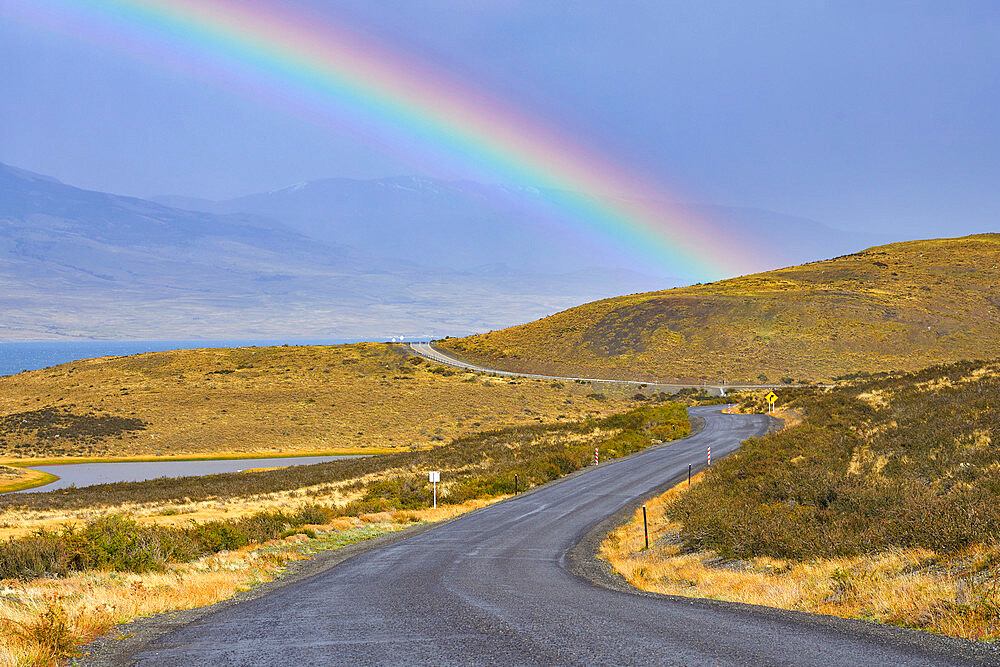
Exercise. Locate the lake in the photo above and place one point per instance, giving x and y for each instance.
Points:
(17, 357)
(87, 474)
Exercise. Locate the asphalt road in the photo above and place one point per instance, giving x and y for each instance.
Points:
(428, 351)
(503, 586)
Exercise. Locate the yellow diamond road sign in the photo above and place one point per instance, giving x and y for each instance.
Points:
(771, 397)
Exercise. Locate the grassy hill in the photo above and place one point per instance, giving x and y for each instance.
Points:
(901, 306)
(270, 400)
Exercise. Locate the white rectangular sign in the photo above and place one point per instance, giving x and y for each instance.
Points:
(435, 476)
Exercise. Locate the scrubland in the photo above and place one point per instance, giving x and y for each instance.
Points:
(274, 401)
(880, 504)
(68, 552)
(902, 306)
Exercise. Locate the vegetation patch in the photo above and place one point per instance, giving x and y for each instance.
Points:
(54, 430)
(917, 468)
(118, 543)
(17, 479)
(477, 466)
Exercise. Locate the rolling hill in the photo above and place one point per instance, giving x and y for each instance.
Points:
(269, 400)
(901, 306)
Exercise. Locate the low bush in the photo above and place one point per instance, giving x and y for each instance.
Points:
(51, 633)
(117, 542)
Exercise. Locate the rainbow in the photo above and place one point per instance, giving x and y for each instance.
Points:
(368, 85)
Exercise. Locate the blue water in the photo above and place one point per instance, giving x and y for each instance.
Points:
(17, 357)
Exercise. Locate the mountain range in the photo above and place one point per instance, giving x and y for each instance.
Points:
(466, 226)
(334, 258)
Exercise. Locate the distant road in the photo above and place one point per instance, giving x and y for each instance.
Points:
(510, 584)
(428, 351)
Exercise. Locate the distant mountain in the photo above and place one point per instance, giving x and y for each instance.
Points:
(901, 306)
(90, 264)
(789, 239)
(459, 226)
(463, 225)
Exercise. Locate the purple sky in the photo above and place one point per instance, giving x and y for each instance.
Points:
(880, 116)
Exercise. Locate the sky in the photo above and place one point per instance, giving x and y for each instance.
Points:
(866, 116)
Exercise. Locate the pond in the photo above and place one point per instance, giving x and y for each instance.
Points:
(87, 474)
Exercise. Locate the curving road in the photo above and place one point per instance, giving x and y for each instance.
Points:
(502, 586)
(428, 351)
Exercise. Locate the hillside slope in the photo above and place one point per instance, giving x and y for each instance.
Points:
(269, 400)
(900, 306)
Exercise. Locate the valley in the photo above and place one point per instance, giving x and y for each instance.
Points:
(504, 332)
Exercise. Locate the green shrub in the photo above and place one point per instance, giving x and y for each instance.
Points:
(117, 542)
(41, 554)
(215, 536)
(858, 476)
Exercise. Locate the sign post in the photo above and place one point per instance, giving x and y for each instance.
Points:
(434, 478)
(645, 530)
(771, 398)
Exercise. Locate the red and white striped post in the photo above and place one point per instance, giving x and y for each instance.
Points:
(597, 456)
(710, 455)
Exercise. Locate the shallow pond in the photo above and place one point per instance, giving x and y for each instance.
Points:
(87, 474)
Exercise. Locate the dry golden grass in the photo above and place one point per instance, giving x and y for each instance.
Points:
(92, 603)
(18, 522)
(902, 306)
(914, 588)
(475, 466)
(268, 401)
(16, 479)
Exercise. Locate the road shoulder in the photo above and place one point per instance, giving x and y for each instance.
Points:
(582, 561)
